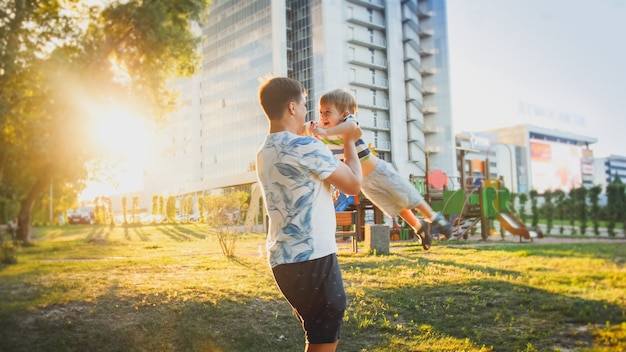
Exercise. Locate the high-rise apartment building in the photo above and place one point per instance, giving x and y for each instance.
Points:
(393, 55)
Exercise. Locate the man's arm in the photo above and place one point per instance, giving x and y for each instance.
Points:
(348, 176)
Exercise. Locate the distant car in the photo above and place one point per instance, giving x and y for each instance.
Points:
(82, 215)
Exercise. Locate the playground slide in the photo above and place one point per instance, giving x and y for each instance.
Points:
(515, 226)
(343, 202)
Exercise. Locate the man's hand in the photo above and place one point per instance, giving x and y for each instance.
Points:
(310, 126)
(352, 135)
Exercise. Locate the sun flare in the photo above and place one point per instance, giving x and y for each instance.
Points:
(123, 138)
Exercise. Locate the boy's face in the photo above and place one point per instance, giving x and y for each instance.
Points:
(329, 115)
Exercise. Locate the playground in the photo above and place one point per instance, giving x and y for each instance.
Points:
(475, 207)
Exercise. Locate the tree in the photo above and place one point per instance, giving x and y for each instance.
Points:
(100, 212)
(548, 209)
(616, 206)
(523, 198)
(201, 207)
(594, 199)
(533, 208)
(559, 196)
(170, 209)
(571, 207)
(580, 207)
(155, 207)
(225, 215)
(60, 61)
(125, 208)
(162, 211)
(134, 210)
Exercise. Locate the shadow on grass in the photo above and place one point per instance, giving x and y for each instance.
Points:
(564, 250)
(174, 234)
(179, 233)
(121, 321)
(491, 312)
(506, 316)
(482, 312)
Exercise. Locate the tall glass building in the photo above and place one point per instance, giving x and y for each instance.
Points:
(393, 55)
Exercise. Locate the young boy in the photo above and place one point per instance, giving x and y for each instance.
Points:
(296, 173)
(382, 184)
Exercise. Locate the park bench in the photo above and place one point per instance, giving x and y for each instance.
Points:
(347, 227)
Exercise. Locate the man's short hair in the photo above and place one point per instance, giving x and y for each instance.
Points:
(276, 93)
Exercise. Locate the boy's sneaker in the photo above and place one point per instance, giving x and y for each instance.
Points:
(442, 226)
(425, 235)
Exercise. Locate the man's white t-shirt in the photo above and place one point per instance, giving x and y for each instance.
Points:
(291, 170)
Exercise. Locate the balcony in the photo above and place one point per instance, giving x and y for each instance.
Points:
(382, 124)
(424, 71)
(431, 150)
(378, 104)
(370, 82)
(409, 33)
(367, 21)
(413, 43)
(429, 91)
(413, 81)
(410, 20)
(383, 146)
(414, 121)
(378, 125)
(415, 63)
(417, 142)
(425, 32)
(427, 52)
(430, 129)
(414, 112)
(428, 110)
(368, 41)
(377, 63)
(422, 15)
(370, 4)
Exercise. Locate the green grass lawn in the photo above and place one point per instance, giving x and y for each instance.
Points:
(169, 288)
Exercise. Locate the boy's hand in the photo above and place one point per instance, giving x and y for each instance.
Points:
(318, 131)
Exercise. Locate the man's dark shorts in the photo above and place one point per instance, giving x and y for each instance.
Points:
(315, 291)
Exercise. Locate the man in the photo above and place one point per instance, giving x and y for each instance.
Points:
(296, 173)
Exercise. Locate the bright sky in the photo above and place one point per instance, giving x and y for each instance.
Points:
(551, 63)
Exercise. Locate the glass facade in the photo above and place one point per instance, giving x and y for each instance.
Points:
(299, 47)
(236, 53)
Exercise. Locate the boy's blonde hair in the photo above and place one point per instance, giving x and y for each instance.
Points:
(342, 99)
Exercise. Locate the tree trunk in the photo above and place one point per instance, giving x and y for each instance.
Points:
(26, 207)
